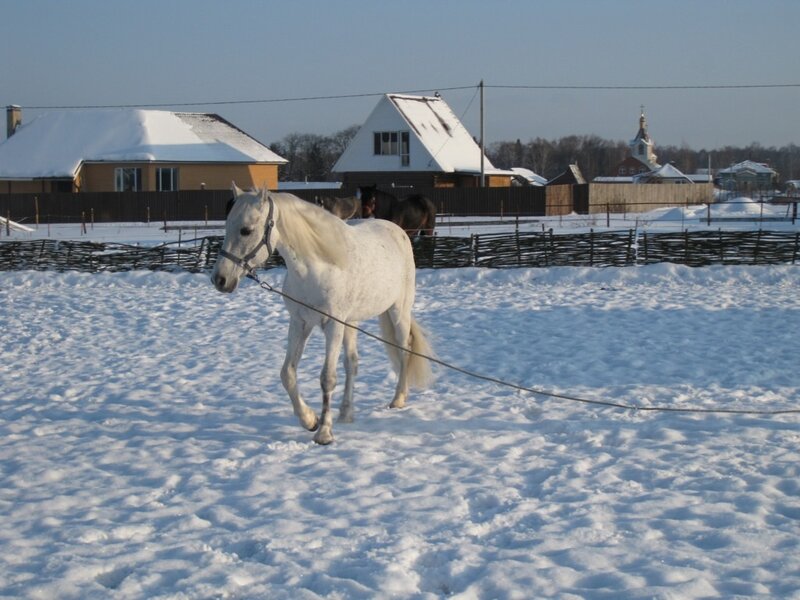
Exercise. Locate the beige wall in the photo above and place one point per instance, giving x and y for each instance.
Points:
(642, 197)
(99, 177)
(24, 187)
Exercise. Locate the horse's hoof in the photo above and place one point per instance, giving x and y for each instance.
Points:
(313, 427)
(345, 417)
(323, 439)
(398, 404)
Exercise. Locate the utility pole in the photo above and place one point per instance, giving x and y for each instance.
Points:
(483, 138)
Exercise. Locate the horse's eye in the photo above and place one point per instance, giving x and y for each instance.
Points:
(245, 231)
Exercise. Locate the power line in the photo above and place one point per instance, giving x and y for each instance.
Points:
(258, 101)
(417, 91)
(649, 87)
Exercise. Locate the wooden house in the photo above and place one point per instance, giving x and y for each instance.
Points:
(123, 150)
(415, 141)
(747, 175)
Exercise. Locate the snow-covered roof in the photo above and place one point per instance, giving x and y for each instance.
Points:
(438, 141)
(748, 165)
(531, 177)
(667, 171)
(55, 144)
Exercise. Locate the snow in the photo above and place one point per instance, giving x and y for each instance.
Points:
(56, 143)
(148, 450)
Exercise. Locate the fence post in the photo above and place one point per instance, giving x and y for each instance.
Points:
(645, 248)
(708, 209)
(686, 246)
(36, 209)
(758, 243)
(794, 212)
(608, 215)
(796, 244)
(628, 250)
(474, 244)
(591, 247)
(8, 222)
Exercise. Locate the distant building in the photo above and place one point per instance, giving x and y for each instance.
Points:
(641, 157)
(572, 176)
(664, 174)
(130, 150)
(415, 141)
(747, 176)
(523, 177)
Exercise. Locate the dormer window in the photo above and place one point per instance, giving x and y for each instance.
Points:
(392, 143)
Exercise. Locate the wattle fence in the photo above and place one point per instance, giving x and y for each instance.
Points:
(506, 250)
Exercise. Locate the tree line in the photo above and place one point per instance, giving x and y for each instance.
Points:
(311, 156)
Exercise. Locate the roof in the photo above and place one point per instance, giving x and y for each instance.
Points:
(748, 165)
(55, 144)
(572, 175)
(439, 142)
(667, 171)
(529, 176)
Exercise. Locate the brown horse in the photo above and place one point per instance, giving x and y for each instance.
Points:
(416, 214)
(344, 208)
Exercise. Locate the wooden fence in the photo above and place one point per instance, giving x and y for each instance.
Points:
(204, 205)
(504, 250)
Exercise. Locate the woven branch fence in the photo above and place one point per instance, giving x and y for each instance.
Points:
(544, 249)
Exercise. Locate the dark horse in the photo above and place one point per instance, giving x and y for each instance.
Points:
(416, 214)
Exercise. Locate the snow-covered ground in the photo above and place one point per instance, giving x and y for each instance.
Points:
(148, 450)
(737, 214)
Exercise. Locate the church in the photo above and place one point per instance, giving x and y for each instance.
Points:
(641, 155)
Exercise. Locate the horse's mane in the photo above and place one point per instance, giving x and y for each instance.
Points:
(311, 230)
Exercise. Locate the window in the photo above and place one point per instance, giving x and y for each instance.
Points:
(127, 179)
(392, 143)
(167, 180)
(404, 149)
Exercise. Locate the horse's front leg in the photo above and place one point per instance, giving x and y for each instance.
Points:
(334, 332)
(351, 370)
(299, 331)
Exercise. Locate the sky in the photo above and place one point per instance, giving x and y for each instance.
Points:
(250, 61)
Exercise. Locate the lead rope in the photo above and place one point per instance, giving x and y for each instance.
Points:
(251, 274)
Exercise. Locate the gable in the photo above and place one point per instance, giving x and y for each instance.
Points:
(438, 141)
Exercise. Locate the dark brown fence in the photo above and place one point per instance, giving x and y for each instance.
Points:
(122, 207)
(205, 205)
(505, 250)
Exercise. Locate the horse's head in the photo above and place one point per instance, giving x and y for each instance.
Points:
(366, 193)
(250, 237)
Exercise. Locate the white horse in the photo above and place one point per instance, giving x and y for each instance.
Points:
(349, 272)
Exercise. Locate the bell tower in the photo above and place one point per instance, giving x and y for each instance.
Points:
(641, 146)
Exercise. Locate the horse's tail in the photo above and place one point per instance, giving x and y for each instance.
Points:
(426, 206)
(420, 373)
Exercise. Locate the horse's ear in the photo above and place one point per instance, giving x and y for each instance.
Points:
(235, 189)
(264, 195)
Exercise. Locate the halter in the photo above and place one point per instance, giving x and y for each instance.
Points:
(244, 262)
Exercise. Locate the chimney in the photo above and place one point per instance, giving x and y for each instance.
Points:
(13, 119)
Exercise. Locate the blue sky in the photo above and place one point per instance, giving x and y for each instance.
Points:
(107, 52)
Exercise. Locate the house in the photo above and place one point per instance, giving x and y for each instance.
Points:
(641, 157)
(107, 150)
(747, 176)
(668, 173)
(571, 176)
(415, 141)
